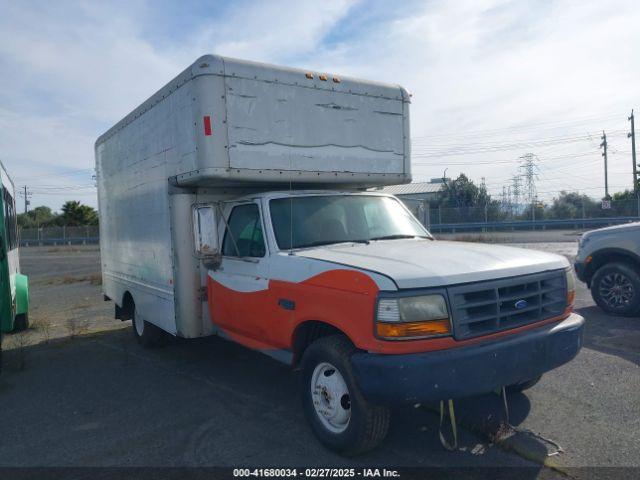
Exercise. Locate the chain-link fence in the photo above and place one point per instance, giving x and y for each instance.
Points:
(59, 236)
(495, 216)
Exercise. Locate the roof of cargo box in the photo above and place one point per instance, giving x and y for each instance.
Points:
(231, 67)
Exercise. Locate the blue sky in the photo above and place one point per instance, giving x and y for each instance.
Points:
(491, 79)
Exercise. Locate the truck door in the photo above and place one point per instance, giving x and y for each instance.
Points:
(239, 287)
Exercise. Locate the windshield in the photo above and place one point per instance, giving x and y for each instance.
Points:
(326, 219)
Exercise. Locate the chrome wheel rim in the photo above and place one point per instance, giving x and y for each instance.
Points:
(616, 290)
(330, 396)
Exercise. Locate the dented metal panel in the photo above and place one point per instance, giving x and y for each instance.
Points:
(284, 127)
(253, 123)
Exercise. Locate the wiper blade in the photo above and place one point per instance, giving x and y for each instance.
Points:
(319, 243)
(397, 237)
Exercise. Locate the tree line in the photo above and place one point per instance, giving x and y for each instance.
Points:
(73, 214)
(461, 200)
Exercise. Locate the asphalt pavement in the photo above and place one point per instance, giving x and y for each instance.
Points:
(100, 400)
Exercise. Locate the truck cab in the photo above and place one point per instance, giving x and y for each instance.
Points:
(353, 290)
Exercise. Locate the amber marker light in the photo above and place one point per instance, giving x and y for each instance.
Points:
(428, 328)
(571, 289)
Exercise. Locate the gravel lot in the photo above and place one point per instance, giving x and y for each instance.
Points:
(76, 390)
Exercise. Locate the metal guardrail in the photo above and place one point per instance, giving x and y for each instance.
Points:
(85, 235)
(59, 241)
(573, 223)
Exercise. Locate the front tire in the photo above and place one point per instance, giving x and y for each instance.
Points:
(522, 386)
(147, 334)
(615, 287)
(342, 419)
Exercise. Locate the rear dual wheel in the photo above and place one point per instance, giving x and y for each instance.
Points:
(147, 334)
(342, 419)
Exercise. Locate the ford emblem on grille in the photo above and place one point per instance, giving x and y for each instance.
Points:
(520, 304)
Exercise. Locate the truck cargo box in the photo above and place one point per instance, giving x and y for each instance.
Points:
(220, 128)
(223, 121)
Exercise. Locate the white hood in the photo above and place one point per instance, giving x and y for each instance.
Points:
(419, 263)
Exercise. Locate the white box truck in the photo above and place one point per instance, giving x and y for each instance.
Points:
(234, 202)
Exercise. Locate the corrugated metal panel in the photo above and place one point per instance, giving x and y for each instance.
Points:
(413, 188)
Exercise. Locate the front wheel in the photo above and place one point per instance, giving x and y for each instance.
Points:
(339, 415)
(615, 287)
(522, 386)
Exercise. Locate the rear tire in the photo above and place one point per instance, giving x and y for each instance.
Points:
(147, 334)
(615, 287)
(342, 419)
(21, 322)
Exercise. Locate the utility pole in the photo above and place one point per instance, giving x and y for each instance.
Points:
(483, 189)
(632, 135)
(26, 194)
(606, 172)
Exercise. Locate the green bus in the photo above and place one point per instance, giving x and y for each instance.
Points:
(14, 287)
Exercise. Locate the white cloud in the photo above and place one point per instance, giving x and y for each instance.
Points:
(70, 70)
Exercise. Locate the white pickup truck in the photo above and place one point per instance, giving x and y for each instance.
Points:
(235, 202)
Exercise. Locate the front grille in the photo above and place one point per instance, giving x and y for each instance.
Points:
(487, 307)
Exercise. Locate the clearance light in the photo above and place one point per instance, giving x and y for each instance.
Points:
(336, 80)
(411, 317)
(309, 76)
(322, 77)
(571, 288)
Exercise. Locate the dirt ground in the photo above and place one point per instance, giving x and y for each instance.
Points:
(78, 391)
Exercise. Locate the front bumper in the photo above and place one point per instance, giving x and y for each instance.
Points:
(471, 370)
(580, 268)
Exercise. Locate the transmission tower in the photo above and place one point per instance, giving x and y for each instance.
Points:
(515, 187)
(529, 166)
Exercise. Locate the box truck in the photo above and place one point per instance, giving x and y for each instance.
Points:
(236, 202)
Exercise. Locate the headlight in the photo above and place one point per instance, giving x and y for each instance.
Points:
(411, 317)
(571, 287)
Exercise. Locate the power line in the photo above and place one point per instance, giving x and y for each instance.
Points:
(527, 126)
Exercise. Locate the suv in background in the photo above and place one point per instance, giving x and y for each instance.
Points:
(608, 261)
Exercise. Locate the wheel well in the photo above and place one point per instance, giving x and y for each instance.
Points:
(602, 258)
(125, 312)
(307, 332)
